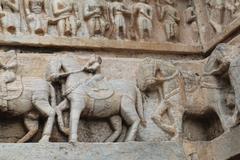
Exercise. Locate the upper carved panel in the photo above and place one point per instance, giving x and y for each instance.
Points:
(142, 20)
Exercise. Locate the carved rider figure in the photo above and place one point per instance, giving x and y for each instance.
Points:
(10, 13)
(8, 74)
(142, 17)
(118, 12)
(36, 16)
(170, 17)
(94, 15)
(93, 67)
(66, 15)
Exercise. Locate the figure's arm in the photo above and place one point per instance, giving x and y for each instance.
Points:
(14, 6)
(12, 63)
(26, 6)
(88, 14)
(57, 11)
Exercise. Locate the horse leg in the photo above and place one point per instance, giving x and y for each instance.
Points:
(130, 115)
(44, 107)
(31, 123)
(116, 122)
(176, 114)
(77, 106)
(157, 118)
(59, 109)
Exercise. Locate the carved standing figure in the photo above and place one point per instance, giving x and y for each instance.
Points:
(183, 92)
(191, 20)
(142, 18)
(216, 13)
(96, 98)
(94, 14)
(26, 97)
(66, 16)
(118, 13)
(37, 17)
(170, 16)
(10, 13)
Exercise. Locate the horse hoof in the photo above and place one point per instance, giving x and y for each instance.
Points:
(44, 139)
(66, 131)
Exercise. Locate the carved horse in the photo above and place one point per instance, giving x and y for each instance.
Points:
(182, 92)
(29, 97)
(225, 62)
(125, 99)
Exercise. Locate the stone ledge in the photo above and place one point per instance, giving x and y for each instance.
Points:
(87, 151)
(98, 44)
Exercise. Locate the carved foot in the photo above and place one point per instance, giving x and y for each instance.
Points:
(73, 139)
(44, 139)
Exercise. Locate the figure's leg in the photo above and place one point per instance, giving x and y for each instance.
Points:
(44, 107)
(77, 105)
(177, 116)
(157, 118)
(31, 124)
(73, 25)
(116, 122)
(61, 107)
(61, 27)
(167, 31)
(130, 115)
(235, 83)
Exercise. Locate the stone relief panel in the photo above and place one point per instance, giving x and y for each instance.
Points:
(66, 97)
(141, 20)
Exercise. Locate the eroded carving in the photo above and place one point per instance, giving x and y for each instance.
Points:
(142, 18)
(118, 12)
(10, 16)
(170, 17)
(96, 18)
(182, 92)
(66, 17)
(36, 16)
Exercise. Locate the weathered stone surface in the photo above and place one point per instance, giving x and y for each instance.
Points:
(120, 151)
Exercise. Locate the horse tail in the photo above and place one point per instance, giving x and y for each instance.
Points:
(140, 108)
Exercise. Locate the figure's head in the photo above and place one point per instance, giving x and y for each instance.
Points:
(95, 59)
(36, 6)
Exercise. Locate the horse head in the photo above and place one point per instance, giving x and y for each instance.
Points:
(219, 60)
(53, 69)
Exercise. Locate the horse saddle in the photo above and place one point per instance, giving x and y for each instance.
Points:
(14, 90)
(99, 89)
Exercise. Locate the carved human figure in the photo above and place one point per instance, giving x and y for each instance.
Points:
(66, 16)
(36, 15)
(170, 16)
(142, 18)
(191, 20)
(10, 13)
(94, 14)
(9, 72)
(216, 13)
(118, 13)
